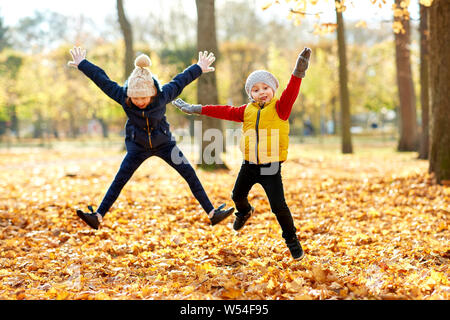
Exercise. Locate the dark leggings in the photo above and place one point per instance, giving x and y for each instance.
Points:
(170, 154)
(269, 177)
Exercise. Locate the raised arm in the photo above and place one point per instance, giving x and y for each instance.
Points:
(225, 112)
(174, 88)
(220, 112)
(97, 75)
(289, 95)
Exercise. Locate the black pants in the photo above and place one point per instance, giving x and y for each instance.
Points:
(170, 154)
(269, 177)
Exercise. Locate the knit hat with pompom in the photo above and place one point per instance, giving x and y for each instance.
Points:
(140, 82)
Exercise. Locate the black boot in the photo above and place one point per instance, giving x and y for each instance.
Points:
(91, 219)
(240, 220)
(220, 214)
(295, 248)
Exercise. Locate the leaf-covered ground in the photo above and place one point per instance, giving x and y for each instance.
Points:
(373, 225)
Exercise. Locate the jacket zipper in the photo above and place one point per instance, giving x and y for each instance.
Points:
(257, 135)
(149, 132)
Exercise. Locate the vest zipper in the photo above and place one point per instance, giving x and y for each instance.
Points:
(257, 135)
(149, 132)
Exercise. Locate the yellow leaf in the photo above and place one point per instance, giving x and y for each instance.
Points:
(62, 295)
(439, 277)
(102, 296)
(34, 277)
(426, 3)
(267, 5)
(361, 24)
(232, 293)
(270, 284)
(51, 292)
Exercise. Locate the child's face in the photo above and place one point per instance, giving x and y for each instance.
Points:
(141, 102)
(261, 92)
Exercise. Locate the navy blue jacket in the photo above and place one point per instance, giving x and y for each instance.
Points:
(146, 127)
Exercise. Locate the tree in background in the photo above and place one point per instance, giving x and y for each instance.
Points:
(127, 32)
(4, 35)
(43, 31)
(10, 64)
(207, 84)
(4, 43)
(439, 23)
(241, 57)
(343, 81)
(407, 110)
(424, 82)
(300, 7)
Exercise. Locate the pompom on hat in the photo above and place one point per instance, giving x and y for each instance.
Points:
(140, 82)
(260, 76)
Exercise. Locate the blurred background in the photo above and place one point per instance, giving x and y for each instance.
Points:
(43, 101)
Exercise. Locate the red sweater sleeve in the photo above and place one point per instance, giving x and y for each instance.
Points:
(225, 112)
(288, 97)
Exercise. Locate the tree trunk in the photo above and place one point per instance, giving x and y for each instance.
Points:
(424, 83)
(343, 86)
(408, 118)
(104, 125)
(128, 38)
(14, 121)
(334, 114)
(207, 87)
(439, 23)
(38, 130)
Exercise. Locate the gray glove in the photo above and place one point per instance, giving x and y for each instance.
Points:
(302, 63)
(186, 107)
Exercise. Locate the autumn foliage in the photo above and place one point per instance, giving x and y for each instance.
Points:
(374, 225)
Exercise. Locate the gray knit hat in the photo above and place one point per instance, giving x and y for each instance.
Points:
(260, 76)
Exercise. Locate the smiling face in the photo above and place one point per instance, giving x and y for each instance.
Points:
(261, 92)
(141, 102)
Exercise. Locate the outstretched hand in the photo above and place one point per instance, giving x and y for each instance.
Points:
(186, 107)
(205, 60)
(78, 55)
(302, 63)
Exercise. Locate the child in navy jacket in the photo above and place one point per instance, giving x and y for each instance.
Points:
(147, 131)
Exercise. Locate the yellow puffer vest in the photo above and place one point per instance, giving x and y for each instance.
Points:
(265, 136)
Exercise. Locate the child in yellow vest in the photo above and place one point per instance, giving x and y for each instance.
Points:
(264, 143)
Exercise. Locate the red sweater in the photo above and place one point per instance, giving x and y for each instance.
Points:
(283, 105)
